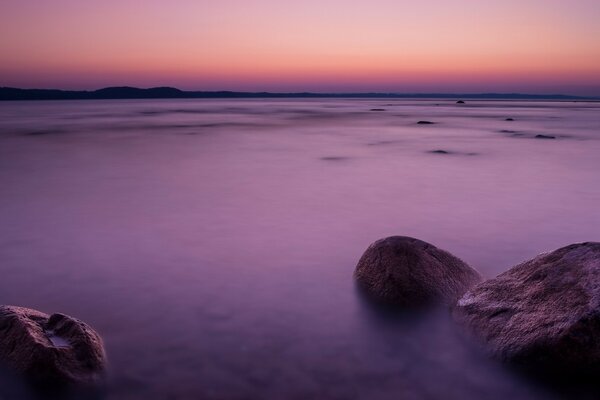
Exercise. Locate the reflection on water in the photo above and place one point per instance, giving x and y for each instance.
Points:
(212, 243)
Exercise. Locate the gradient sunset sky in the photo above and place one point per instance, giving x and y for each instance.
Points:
(533, 46)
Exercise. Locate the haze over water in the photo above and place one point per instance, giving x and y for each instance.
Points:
(212, 243)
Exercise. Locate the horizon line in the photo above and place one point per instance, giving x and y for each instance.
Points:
(132, 92)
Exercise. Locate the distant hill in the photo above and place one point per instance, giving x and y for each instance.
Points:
(125, 92)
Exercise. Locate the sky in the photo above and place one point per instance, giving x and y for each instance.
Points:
(527, 46)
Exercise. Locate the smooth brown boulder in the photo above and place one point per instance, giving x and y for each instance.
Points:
(543, 313)
(54, 349)
(404, 271)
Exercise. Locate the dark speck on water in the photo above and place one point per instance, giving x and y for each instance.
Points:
(545, 137)
(334, 158)
(439, 152)
(42, 132)
(425, 123)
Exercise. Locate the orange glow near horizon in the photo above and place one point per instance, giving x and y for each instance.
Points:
(527, 45)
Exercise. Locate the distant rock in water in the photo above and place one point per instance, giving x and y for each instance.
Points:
(377, 109)
(543, 313)
(425, 123)
(49, 131)
(334, 158)
(460, 102)
(509, 119)
(545, 137)
(439, 152)
(50, 350)
(404, 271)
(450, 152)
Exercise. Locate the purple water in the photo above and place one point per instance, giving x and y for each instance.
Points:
(212, 243)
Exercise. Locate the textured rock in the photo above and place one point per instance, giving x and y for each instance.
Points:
(543, 313)
(404, 271)
(54, 349)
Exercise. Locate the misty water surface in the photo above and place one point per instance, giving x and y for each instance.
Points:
(212, 243)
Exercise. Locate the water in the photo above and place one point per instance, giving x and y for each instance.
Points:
(212, 243)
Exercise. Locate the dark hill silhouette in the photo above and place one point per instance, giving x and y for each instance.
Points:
(126, 92)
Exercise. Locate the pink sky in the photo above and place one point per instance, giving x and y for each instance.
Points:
(536, 46)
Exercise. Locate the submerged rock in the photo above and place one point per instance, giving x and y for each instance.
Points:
(439, 152)
(404, 271)
(50, 349)
(334, 158)
(543, 313)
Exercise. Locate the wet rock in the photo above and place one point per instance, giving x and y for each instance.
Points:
(404, 271)
(377, 109)
(425, 123)
(509, 119)
(460, 102)
(50, 349)
(545, 137)
(439, 152)
(542, 314)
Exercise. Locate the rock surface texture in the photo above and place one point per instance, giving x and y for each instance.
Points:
(543, 313)
(404, 271)
(54, 349)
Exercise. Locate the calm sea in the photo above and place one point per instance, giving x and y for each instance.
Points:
(212, 242)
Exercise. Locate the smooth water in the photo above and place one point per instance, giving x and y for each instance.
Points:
(212, 243)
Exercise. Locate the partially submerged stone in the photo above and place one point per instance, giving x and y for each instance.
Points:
(543, 313)
(404, 271)
(439, 152)
(50, 349)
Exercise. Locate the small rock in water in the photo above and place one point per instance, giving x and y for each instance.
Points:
(377, 109)
(439, 152)
(334, 158)
(404, 271)
(424, 123)
(460, 102)
(50, 349)
(543, 313)
(545, 137)
(509, 119)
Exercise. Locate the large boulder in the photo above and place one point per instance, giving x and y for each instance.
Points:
(404, 271)
(50, 349)
(543, 313)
